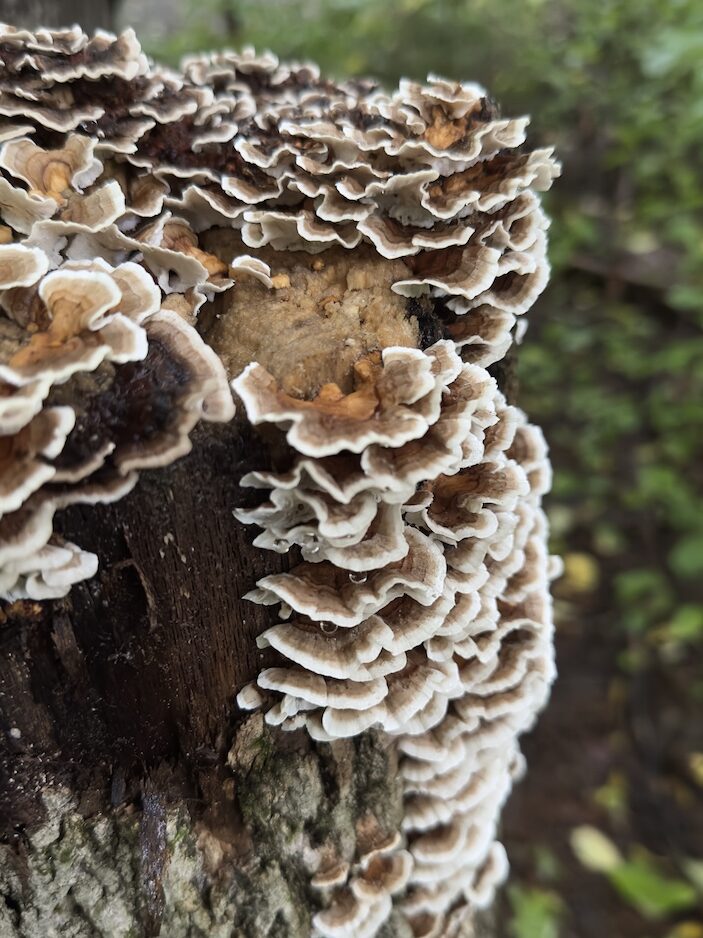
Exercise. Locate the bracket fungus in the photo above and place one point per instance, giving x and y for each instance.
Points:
(349, 262)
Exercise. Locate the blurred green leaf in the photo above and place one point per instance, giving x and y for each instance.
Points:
(645, 596)
(653, 895)
(694, 870)
(547, 863)
(686, 624)
(686, 558)
(535, 913)
(612, 796)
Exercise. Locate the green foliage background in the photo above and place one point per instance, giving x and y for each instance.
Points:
(613, 362)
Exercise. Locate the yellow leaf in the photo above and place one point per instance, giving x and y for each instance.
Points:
(594, 850)
(695, 767)
(687, 930)
(581, 573)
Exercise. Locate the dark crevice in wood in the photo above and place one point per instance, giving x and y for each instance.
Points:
(138, 669)
(427, 311)
(506, 374)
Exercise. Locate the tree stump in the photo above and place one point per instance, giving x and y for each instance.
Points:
(308, 731)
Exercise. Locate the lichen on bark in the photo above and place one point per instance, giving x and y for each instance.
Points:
(88, 876)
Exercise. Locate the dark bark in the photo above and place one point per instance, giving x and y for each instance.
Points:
(139, 667)
(91, 14)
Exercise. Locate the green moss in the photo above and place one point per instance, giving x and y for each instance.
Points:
(179, 837)
(65, 855)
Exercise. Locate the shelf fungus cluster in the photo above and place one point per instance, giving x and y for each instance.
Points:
(102, 372)
(421, 606)
(354, 262)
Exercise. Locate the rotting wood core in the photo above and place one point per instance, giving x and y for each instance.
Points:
(324, 312)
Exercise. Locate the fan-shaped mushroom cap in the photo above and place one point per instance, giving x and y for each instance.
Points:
(20, 401)
(26, 532)
(324, 648)
(330, 877)
(348, 510)
(382, 875)
(347, 917)
(47, 574)
(250, 697)
(20, 210)
(52, 173)
(21, 266)
(63, 55)
(24, 456)
(77, 304)
(324, 593)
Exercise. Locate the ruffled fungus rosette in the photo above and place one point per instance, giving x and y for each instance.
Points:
(100, 376)
(421, 606)
(353, 261)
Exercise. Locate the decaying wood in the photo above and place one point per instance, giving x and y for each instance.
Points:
(120, 699)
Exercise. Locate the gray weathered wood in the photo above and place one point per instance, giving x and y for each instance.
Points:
(91, 14)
